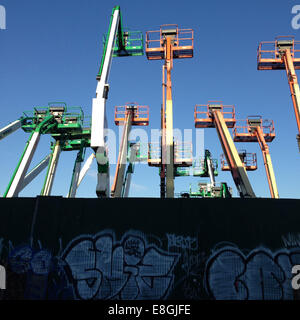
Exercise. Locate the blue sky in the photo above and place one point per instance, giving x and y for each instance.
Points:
(51, 51)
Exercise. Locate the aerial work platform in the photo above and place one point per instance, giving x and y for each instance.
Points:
(270, 54)
(205, 167)
(65, 124)
(203, 114)
(65, 119)
(215, 116)
(131, 114)
(140, 114)
(167, 44)
(248, 159)
(128, 43)
(119, 42)
(283, 54)
(262, 131)
(183, 154)
(182, 42)
(244, 130)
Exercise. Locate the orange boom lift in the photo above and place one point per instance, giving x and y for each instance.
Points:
(283, 54)
(216, 115)
(255, 129)
(167, 44)
(249, 161)
(132, 114)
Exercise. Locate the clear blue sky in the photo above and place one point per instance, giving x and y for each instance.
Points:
(51, 51)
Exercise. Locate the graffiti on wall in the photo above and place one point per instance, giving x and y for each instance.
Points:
(100, 267)
(182, 242)
(136, 266)
(36, 274)
(259, 275)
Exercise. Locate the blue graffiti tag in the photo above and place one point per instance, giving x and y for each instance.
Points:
(261, 275)
(101, 268)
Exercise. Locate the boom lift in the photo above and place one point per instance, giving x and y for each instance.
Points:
(57, 120)
(118, 42)
(248, 159)
(216, 115)
(208, 168)
(254, 129)
(283, 54)
(132, 114)
(167, 44)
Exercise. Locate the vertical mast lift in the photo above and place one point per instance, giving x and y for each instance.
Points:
(283, 54)
(216, 115)
(261, 131)
(117, 43)
(167, 44)
(132, 114)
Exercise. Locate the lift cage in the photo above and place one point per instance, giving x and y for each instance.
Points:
(140, 114)
(244, 130)
(248, 159)
(133, 44)
(65, 119)
(200, 168)
(183, 154)
(182, 42)
(203, 114)
(269, 53)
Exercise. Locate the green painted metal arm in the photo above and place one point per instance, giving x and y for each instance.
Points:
(120, 37)
(38, 129)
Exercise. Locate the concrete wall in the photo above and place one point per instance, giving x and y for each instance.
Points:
(56, 248)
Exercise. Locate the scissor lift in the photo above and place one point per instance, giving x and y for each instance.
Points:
(255, 129)
(248, 159)
(216, 115)
(167, 44)
(118, 43)
(132, 114)
(283, 54)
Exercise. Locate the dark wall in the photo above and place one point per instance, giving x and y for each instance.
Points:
(57, 248)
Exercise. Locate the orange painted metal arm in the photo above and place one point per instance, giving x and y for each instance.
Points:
(122, 158)
(267, 162)
(237, 169)
(293, 83)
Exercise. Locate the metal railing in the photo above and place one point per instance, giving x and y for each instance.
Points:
(203, 112)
